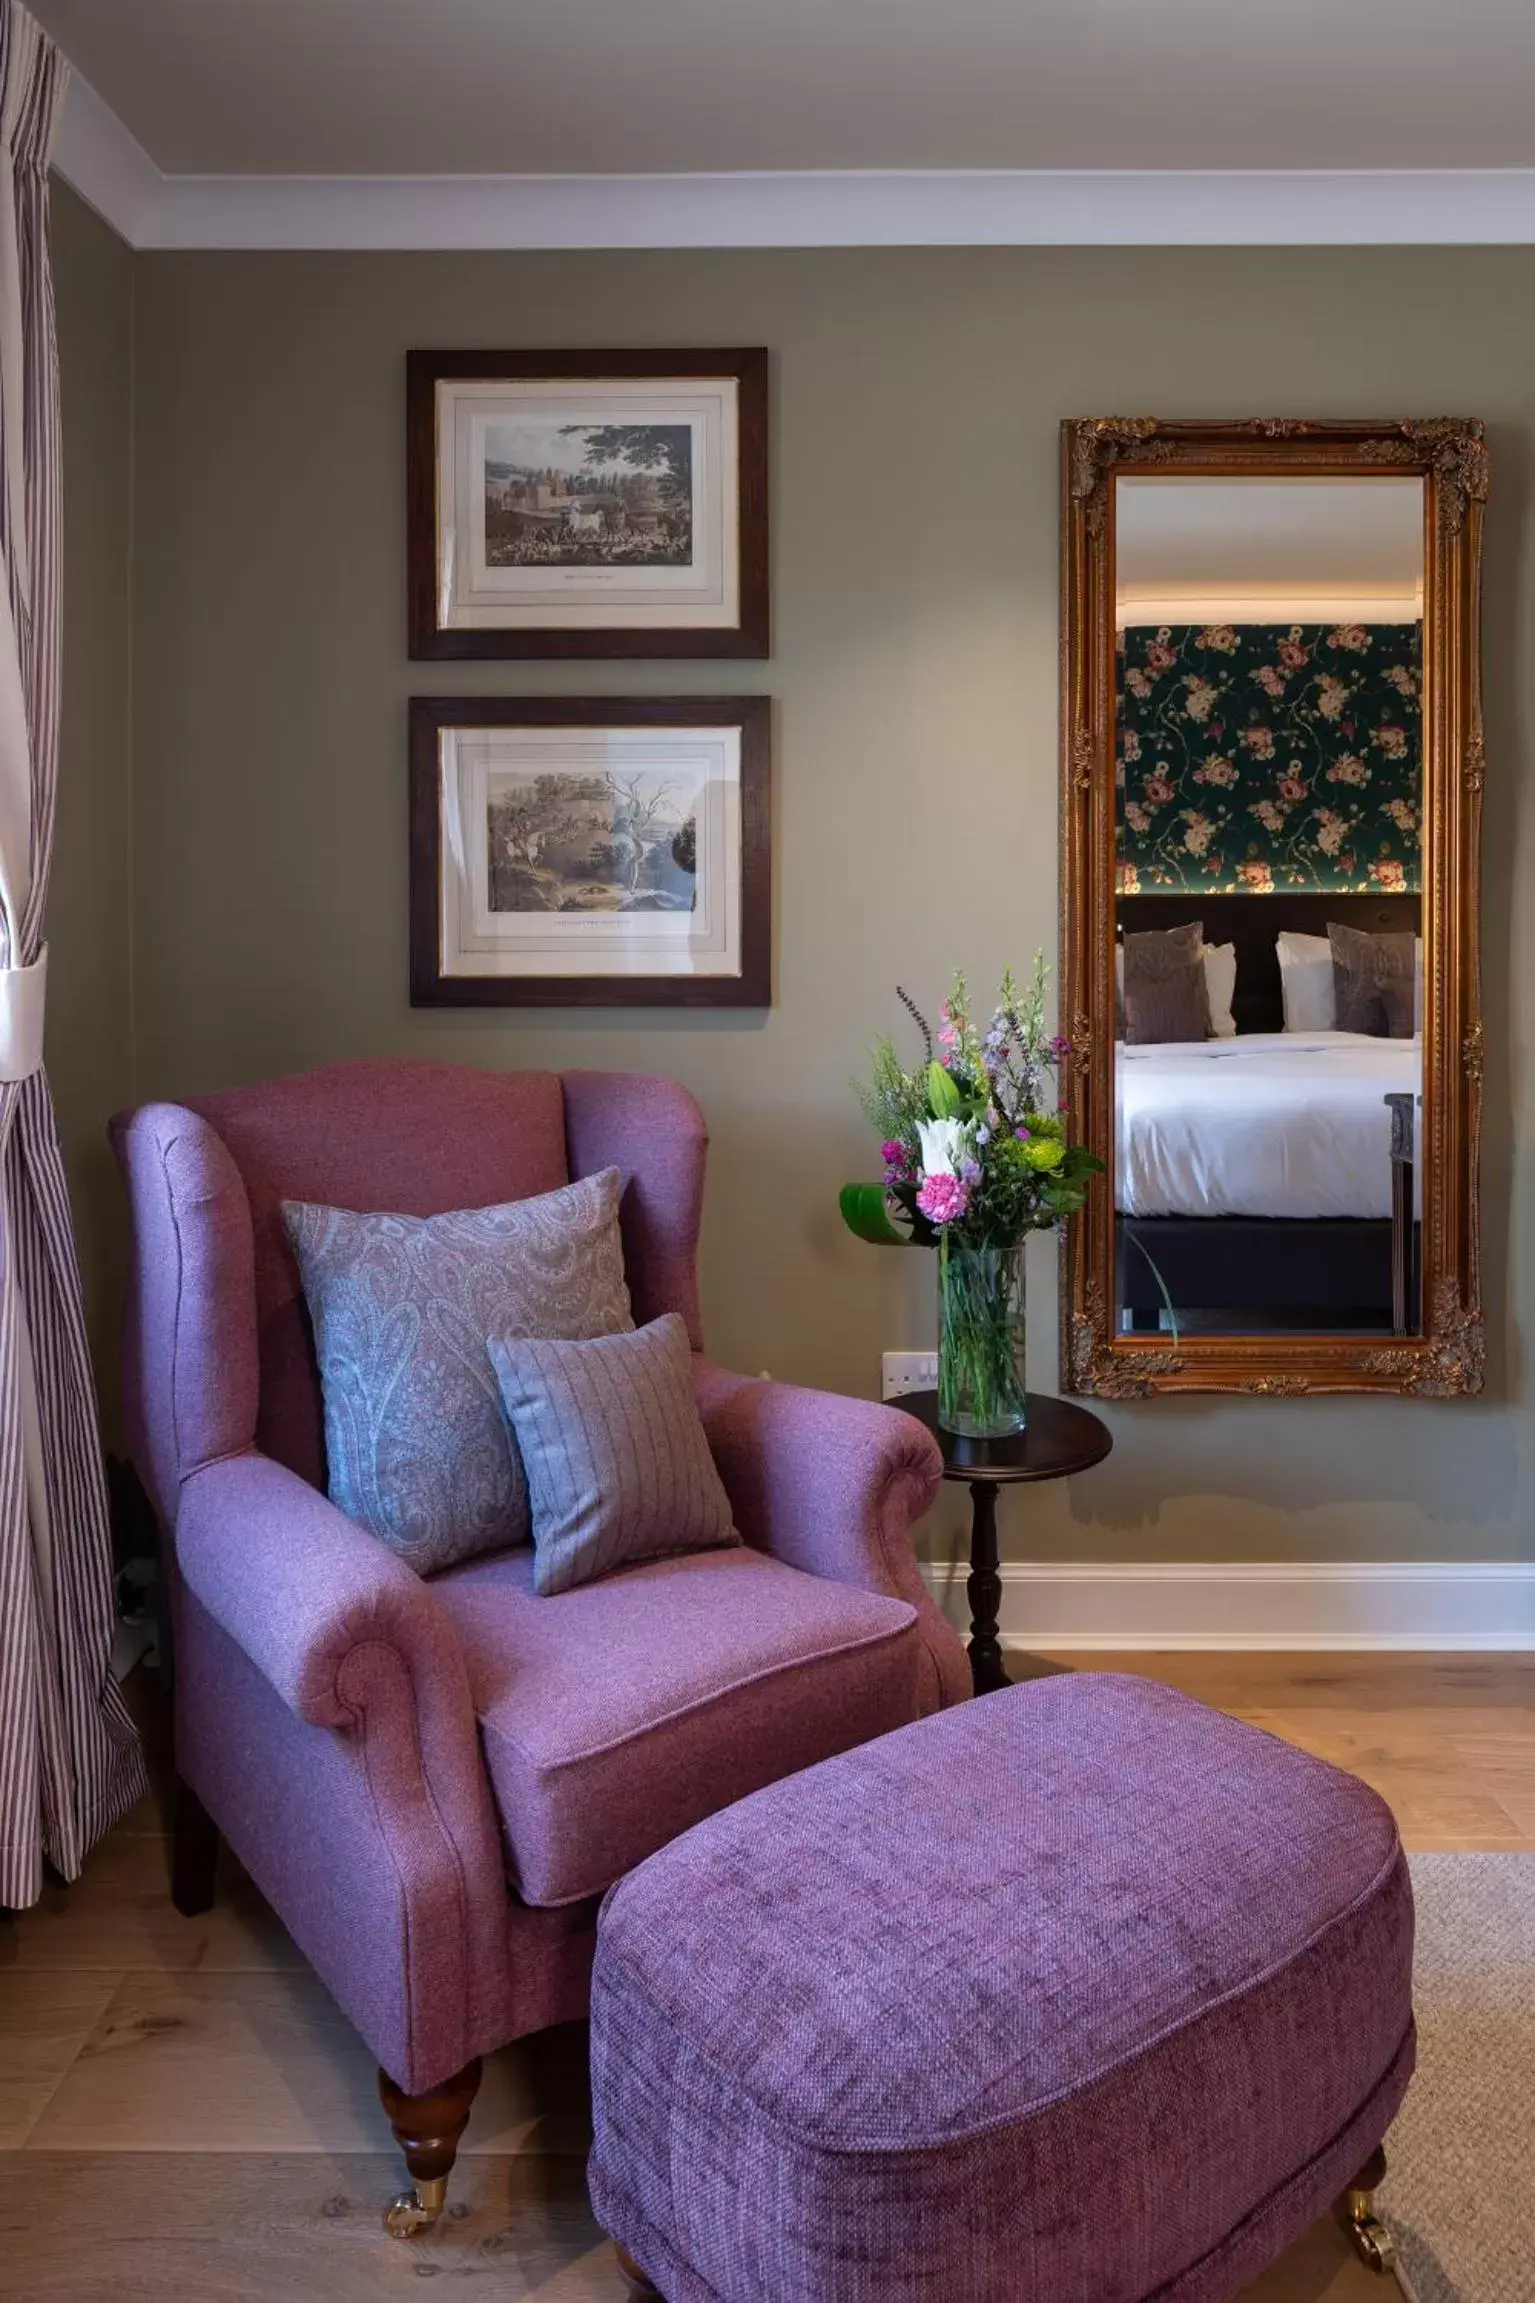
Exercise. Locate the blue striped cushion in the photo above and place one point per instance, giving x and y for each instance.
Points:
(617, 1465)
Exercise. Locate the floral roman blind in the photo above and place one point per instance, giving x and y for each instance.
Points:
(1258, 757)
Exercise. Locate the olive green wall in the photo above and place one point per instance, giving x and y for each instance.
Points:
(916, 400)
(90, 935)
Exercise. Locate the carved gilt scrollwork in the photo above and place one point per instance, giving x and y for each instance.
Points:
(1474, 763)
(1455, 1362)
(1457, 452)
(1101, 1371)
(1098, 443)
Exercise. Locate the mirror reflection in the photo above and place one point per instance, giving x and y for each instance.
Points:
(1268, 869)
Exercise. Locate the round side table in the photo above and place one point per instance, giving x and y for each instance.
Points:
(1061, 1438)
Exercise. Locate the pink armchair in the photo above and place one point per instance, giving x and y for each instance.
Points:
(434, 1780)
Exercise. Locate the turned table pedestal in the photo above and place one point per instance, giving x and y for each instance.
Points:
(1061, 1438)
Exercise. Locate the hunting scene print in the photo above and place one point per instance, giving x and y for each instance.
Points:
(588, 495)
(615, 842)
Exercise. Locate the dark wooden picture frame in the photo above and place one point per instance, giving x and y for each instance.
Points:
(752, 987)
(1446, 1356)
(747, 637)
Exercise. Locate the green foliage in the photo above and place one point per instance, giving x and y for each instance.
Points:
(944, 1100)
(863, 1211)
(994, 1094)
(893, 1100)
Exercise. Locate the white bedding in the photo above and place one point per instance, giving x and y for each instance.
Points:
(1271, 1123)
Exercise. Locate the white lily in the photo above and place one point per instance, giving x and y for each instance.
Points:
(945, 1146)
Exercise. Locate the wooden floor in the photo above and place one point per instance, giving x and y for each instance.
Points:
(183, 2112)
(1448, 1740)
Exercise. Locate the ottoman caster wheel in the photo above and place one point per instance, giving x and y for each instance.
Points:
(1367, 2235)
(641, 2286)
(416, 2211)
(1372, 2244)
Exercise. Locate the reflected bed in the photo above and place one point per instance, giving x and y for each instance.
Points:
(1276, 1124)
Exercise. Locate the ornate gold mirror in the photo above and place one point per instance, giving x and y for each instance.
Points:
(1272, 787)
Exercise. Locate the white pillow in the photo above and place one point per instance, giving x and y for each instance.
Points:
(1305, 977)
(1220, 985)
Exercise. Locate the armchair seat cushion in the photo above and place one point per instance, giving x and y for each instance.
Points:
(617, 1715)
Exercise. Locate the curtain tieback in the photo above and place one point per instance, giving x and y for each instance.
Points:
(22, 993)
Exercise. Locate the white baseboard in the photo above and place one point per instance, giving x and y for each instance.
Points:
(1439, 1606)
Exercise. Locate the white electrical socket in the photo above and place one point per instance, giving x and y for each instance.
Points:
(904, 1371)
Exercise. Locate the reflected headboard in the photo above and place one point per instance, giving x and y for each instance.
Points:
(1251, 923)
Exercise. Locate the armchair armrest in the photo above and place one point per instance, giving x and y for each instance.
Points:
(307, 1593)
(370, 1748)
(832, 1485)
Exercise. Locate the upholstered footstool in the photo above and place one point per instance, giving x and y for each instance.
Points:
(1081, 1993)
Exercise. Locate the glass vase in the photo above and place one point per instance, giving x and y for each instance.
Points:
(980, 1340)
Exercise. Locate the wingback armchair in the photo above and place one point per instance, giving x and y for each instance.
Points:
(434, 1780)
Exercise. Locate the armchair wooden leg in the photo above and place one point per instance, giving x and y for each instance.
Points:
(194, 1855)
(1356, 2212)
(427, 2128)
(641, 2288)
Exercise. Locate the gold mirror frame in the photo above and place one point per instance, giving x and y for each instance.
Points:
(1446, 1358)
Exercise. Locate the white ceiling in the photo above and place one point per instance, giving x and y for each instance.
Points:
(1230, 545)
(590, 87)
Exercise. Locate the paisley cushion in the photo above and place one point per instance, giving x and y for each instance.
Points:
(417, 1447)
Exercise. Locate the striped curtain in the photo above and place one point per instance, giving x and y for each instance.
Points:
(69, 1759)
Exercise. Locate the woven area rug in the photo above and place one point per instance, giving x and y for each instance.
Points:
(1460, 2194)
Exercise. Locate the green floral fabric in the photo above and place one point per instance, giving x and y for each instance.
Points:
(1254, 758)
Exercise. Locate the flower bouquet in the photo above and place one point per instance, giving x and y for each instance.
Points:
(976, 1157)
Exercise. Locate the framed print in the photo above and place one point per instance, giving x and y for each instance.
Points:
(587, 503)
(577, 851)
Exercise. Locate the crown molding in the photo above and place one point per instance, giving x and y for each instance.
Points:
(106, 165)
(98, 156)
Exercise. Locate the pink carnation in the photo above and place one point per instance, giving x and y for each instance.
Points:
(943, 1198)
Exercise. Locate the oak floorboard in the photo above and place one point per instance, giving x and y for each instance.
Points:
(268, 2063)
(1448, 1741)
(123, 2227)
(1435, 1685)
(253, 2227)
(118, 1914)
(45, 2021)
(1319, 2268)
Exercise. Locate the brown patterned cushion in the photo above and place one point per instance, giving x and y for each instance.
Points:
(1167, 996)
(1396, 997)
(1363, 967)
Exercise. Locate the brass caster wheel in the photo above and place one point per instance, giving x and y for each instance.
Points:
(1367, 2235)
(416, 2211)
(1372, 2243)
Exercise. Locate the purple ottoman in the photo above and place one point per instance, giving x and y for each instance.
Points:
(1078, 1994)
